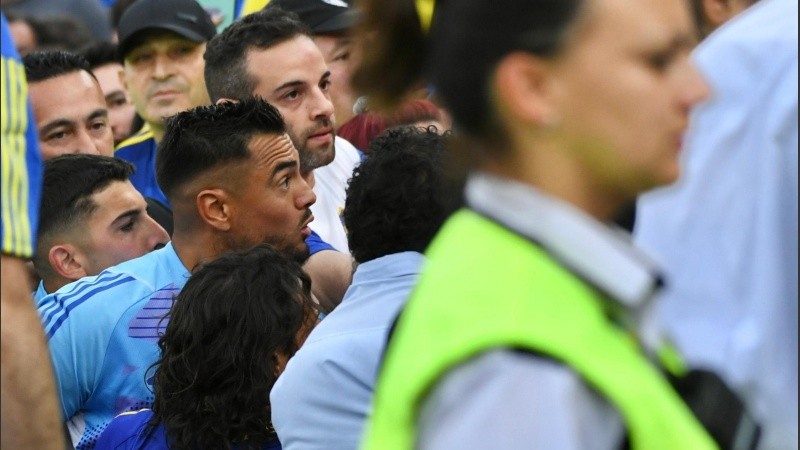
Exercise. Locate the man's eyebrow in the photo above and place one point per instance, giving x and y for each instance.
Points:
(341, 43)
(58, 123)
(115, 94)
(325, 75)
(290, 164)
(288, 84)
(126, 214)
(99, 112)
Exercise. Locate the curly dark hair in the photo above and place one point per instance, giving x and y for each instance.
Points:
(218, 354)
(399, 196)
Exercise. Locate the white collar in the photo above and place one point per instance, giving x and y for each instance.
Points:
(601, 255)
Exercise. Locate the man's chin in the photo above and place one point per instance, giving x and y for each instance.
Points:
(300, 253)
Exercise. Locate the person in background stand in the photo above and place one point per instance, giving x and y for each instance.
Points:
(104, 64)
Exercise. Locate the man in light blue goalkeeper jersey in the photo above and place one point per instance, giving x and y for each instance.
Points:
(232, 175)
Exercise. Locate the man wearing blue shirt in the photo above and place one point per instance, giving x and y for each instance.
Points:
(232, 176)
(162, 44)
(397, 200)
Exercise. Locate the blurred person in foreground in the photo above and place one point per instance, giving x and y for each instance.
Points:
(29, 417)
(231, 330)
(726, 234)
(536, 334)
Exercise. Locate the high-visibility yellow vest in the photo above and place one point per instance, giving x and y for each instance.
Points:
(485, 287)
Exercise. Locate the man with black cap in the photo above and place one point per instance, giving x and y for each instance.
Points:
(330, 22)
(161, 43)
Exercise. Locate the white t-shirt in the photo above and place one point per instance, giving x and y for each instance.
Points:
(330, 188)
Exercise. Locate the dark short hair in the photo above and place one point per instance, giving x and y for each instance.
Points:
(226, 53)
(399, 196)
(100, 53)
(43, 65)
(206, 137)
(217, 364)
(68, 184)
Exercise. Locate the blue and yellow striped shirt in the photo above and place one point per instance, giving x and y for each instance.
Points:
(21, 161)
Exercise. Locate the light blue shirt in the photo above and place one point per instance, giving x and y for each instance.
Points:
(40, 293)
(102, 333)
(726, 233)
(322, 399)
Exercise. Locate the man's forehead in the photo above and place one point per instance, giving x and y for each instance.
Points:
(155, 36)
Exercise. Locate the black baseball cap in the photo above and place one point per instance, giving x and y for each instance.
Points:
(184, 17)
(321, 16)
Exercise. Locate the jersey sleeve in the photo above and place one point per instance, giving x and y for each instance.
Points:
(21, 161)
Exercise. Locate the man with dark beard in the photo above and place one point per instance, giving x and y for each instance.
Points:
(233, 178)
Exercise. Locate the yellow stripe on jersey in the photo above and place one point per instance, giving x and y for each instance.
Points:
(251, 6)
(143, 134)
(17, 239)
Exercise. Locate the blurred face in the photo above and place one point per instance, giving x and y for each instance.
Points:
(164, 76)
(293, 77)
(71, 115)
(339, 54)
(271, 203)
(23, 35)
(118, 230)
(623, 90)
(120, 110)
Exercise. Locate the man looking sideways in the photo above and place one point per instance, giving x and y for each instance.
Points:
(70, 111)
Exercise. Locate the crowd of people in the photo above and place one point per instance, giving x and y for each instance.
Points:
(380, 224)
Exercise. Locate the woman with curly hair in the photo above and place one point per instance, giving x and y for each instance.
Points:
(231, 331)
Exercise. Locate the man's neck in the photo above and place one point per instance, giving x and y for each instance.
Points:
(193, 249)
(158, 130)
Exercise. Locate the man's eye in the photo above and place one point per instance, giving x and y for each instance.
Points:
(141, 58)
(127, 227)
(342, 56)
(116, 103)
(99, 125)
(56, 136)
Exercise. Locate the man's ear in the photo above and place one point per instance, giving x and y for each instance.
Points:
(214, 208)
(521, 85)
(717, 12)
(226, 100)
(66, 261)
